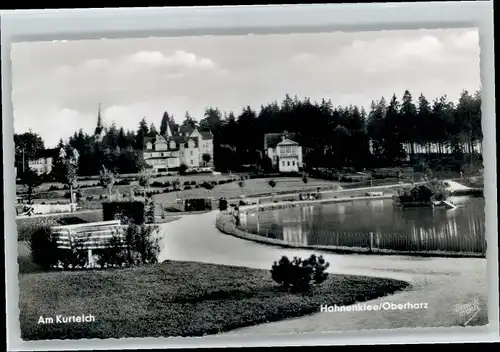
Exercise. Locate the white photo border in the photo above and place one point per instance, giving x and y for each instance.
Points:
(74, 24)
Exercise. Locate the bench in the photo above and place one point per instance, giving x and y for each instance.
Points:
(88, 236)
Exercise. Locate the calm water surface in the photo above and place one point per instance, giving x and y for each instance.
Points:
(350, 224)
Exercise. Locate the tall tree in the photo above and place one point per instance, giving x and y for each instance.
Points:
(393, 138)
(31, 180)
(107, 180)
(27, 145)
(165, 120)
(141, 134)
(424, 122)
(152, 130)
(188, 121)
(376, 126)
(408, 122)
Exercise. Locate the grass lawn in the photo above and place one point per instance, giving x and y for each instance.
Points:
(252, 187)
(175, 299)
(228, 190)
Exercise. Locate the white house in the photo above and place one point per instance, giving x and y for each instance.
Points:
(44, 161)
(170, 151)
(284, 152)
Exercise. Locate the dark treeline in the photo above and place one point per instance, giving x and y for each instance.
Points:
(388, 135)
(391, 133)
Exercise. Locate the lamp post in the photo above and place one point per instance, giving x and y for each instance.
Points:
(23, 159)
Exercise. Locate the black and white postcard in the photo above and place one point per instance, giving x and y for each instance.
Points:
(251, 184)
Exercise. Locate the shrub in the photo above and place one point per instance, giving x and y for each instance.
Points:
(182, 169)
(193, 183)
(114, 255)
(206, 185)
(126, 211)
(54, 188)
(142, 244)
(150, 211)
(197, 204)
(43, 246)
(298, 275)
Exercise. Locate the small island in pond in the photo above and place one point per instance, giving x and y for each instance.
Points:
(430, 194)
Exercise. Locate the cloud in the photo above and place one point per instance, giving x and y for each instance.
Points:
(179, 59)
(139, 76)
(135, 78)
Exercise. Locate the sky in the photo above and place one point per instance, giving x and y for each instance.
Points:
(58, 85)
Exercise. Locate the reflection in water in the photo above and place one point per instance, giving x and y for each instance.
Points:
(350, 224)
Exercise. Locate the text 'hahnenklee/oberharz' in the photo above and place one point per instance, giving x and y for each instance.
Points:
(67, 319)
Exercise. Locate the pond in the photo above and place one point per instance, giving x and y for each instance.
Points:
(349, 224)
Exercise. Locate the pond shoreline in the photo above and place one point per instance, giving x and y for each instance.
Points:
(225, 224)
(248, 209)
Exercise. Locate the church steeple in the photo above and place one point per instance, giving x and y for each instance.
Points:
(98, 133)
(99, 118)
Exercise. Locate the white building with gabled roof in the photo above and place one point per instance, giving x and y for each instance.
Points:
(284, 152)
(170, 151)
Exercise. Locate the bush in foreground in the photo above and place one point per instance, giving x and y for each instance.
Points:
(299, 274)
(43, 246)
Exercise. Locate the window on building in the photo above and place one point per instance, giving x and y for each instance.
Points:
(283, 163)
(288, 163)
(288, 150)
(293, 162)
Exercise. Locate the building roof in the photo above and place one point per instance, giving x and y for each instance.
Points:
(163, 157)
(206, 134)
(47, 153)
(179, 140)
(287, 142)
(183, 140)
(271, 140)
(186, 130)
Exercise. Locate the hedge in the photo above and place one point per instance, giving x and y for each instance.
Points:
(133, 211)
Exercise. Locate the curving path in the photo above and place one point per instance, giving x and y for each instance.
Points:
(440, 282)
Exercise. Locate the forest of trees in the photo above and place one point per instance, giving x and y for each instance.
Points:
(391, 133)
